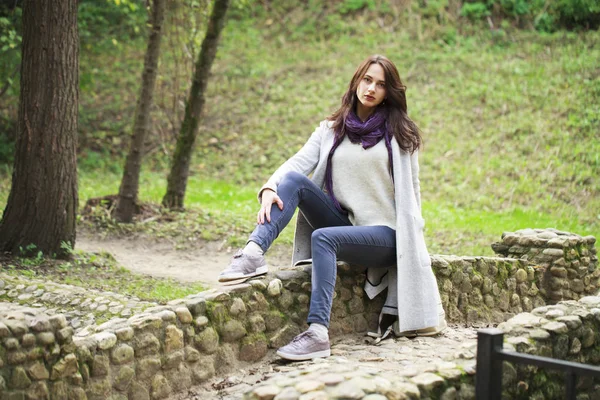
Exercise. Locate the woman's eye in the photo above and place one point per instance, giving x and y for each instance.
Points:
(366, 79)
(381, 85)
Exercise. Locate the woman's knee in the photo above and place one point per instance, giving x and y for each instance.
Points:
(293, 179)
(322, 238)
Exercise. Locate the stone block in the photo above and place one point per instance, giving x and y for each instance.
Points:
(59, 391)
(556, 327)
(428, 381)
(76, 393)
(218, 313)
(123, 378)
(572, 321)
(105, 340)
(45, 338)
(98, 388)
(17, 327)
(65, 335)
(237, 307)
(147, 367)
(217, 297)
(180, 378)
(38, 372)
(356, 305)
(28, 340)
(203, 370)
(273, 320)
(11, 343)
(196, 306)
(138, 392)
(100, 366)
(258, 284)
(207, 341)
(173, 360)
(124, 334)
(19, 379)
(286, 300)
(173, 338)
(184, 315)
(253, 348)
(274, 288)
(64, 367)
(146, 344)
(160, 388)
(122, 354)
(256, 323)
(201, 322)
(191, 355)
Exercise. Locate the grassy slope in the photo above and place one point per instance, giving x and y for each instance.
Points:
(511, 127)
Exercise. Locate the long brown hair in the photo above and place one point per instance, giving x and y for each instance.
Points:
(405, 131)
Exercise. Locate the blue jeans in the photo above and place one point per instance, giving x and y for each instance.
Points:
(334, 238)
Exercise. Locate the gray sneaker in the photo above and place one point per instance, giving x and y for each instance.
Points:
(244, 266)
(305, 346)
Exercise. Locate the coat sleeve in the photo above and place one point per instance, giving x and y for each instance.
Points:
(414, 166)
(304, 161)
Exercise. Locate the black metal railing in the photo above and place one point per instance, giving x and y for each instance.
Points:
(490, 355)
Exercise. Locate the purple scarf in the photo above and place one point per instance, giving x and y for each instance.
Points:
(368, 134)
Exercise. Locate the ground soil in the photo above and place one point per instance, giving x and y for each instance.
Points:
(160, 258)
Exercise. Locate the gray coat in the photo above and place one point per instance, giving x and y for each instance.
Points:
(412, 284)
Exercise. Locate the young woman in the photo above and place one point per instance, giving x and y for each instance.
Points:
(361, 205)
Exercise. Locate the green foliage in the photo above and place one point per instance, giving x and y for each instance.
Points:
(7, 149)
(475, 11)
(106, 22)
(349, 6)
(574, 13)
(543, 15)
(10, 52)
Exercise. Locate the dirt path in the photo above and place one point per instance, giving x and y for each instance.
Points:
(160, 259)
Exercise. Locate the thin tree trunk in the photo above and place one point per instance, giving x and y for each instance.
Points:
(128, 191)
(42, 205)
(180, 166)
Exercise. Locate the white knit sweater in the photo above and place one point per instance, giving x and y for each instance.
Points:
(363, 185)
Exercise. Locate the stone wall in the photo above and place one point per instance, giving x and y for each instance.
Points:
(567, 263)
(52, 344)
(569, 330)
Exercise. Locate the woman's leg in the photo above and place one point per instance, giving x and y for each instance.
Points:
(368, 246)
(295, 191)
(298, 191)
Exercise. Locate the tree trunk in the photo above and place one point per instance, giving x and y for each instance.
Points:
(128, 191)
(41, 211)
(180, 166)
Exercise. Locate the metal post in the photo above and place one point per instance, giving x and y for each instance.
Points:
(488, 378)
(570, 383)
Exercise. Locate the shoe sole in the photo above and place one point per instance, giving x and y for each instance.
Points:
(304, 357)
(234, 277)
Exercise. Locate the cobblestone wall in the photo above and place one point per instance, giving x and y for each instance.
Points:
(52, 345)
(567, 263)
(569, 330)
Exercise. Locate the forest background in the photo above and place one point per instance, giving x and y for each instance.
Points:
(506, 92)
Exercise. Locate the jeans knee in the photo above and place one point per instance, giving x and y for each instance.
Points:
(292, 178)
(320, 238)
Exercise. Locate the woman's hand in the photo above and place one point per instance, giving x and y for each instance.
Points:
(268, 197)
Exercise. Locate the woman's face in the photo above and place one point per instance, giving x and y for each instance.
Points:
(371, 88)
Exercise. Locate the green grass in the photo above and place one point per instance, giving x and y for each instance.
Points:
(99, 271)
(510, 121)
